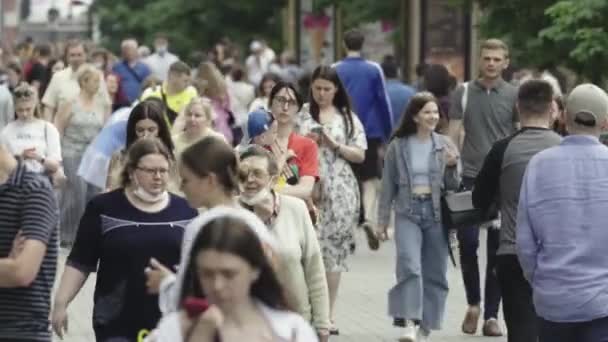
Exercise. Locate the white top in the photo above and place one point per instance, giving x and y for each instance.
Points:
(257, 67)
(159, 64)
(41, 135)
(287, 326)
(241, 96)
(7, 110)
(259, 102)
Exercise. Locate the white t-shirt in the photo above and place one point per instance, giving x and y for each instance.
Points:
(41, 135)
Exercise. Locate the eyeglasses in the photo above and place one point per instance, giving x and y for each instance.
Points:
(258, 174)
(152, 172)
(23, 93)
(282, 101)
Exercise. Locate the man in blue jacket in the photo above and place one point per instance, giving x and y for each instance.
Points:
(364, 82)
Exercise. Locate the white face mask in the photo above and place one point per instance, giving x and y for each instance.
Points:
(145, 196)
(99, 65)
(252, 200)
(161, 49)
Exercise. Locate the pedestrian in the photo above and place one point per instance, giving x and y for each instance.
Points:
(561, 235)
(300, 264)
(34, 140)
(198, 117)
(242, 95)
(331, 122)
(161, 60)
(64, 85)
(120, 233)
(418, 167)
(217, 91)
(268, 81)
(78, 122)
(484, 110)
(249, 305)
(131, 69)
(40, 75)
(499, 182)
(399, 93)
(259, 61)
(28, 251)
(365, 84)
(175, 93)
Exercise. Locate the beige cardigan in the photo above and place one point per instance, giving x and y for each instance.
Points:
(301, 267)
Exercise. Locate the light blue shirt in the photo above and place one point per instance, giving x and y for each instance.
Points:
(562, 230)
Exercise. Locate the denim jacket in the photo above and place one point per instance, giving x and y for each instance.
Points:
(396, 179)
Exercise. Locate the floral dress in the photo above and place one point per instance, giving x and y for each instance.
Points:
(340, 203)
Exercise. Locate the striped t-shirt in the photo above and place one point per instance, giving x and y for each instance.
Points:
(28, 204)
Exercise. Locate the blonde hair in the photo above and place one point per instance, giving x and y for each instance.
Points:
(215, 82)
(85, 72)
(207, 109)
(495, 44)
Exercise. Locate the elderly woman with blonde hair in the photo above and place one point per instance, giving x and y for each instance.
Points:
(197, 120)
(78, 121)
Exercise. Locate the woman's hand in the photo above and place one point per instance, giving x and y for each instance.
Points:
(451, 157)
(155, 273)
(328, 141)
(59, 319)
(382, 232)
(204, 327)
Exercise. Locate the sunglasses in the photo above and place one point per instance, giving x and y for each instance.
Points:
(23, 93)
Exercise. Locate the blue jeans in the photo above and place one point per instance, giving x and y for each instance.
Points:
(422, 257)
(468, 241)
(592, 331)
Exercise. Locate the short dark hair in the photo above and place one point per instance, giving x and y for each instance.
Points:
(389, 67)
(179, 67)
(535, 98)
(213, 155)
(281, 85)
(43, 50)
(353, 39)
(259, 151)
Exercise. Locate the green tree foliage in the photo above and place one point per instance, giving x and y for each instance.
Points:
(190, 25)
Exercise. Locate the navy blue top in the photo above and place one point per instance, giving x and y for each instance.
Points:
(131, 78)
(122, 239)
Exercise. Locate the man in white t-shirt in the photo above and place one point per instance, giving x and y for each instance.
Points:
(258, 62)
(160, 61)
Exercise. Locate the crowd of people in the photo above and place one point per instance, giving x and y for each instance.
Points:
(221, 202)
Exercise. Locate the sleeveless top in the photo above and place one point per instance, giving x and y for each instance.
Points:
(82, 128)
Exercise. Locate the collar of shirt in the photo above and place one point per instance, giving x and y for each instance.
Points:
(497, 87)
(275, 209)
(580, 139)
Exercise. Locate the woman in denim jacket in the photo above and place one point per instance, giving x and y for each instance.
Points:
(418, 167)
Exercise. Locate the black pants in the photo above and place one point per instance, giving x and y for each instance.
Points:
(592, 331)
(468, 242)
(517, 304)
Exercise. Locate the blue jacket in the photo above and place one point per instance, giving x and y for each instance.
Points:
(561, 230)
(396, 180)
(399, 94)
(131, 78)
(364, 83)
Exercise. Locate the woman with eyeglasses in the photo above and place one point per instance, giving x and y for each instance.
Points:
(120, 233)
(296, 154)
(145, 121)
(78, 122)
(31, 138)
(341, 138)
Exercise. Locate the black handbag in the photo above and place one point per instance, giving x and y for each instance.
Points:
(458, 212)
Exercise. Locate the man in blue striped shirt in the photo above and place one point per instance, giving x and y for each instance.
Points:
(28, 252)
(561, 225)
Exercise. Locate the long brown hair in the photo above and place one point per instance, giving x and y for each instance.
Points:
(407, 126)
(137, 151)
(341, 100)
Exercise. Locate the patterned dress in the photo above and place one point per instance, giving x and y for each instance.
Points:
(339, 211)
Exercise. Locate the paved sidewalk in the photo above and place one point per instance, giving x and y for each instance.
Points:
(361, 304)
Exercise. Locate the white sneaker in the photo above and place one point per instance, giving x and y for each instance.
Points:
(409, 332)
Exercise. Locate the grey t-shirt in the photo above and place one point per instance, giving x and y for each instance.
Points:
(490, 115)
(501, 176)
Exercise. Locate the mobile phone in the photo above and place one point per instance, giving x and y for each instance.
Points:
(195, 306)
(317, 130)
